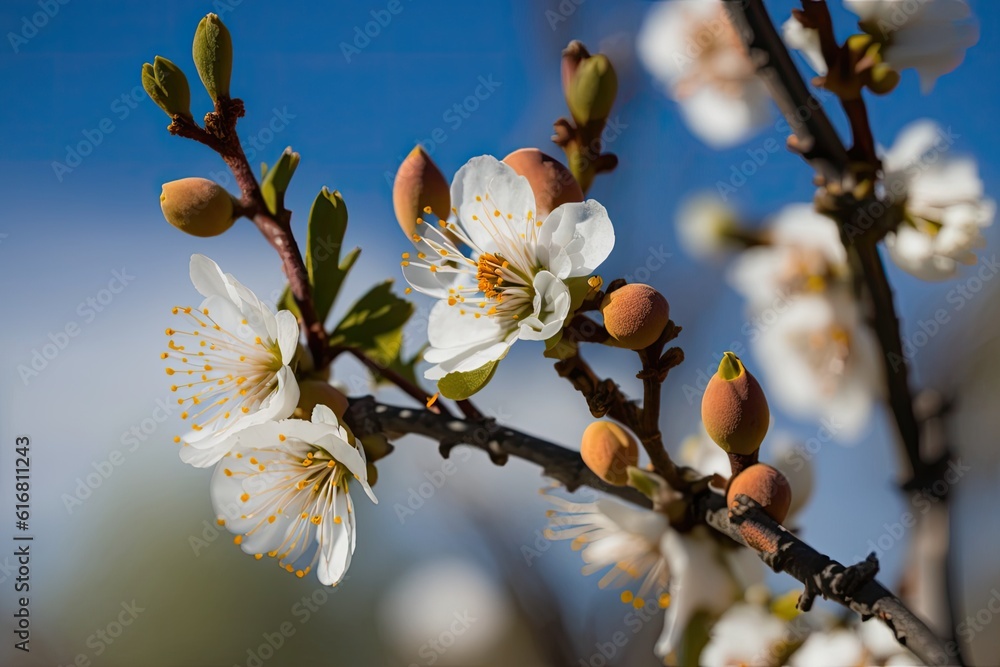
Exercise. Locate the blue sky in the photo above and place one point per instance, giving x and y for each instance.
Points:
(73, 86)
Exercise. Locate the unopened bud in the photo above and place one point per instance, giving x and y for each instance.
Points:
(197, 206)
(419, 186)
(317, 392)
(167, 86)
(766, 486)
(609, 450)
(734, 408)
(212, 51)
(882, 79)
(574, 54)
(592, 90)
(635, 315)
(550, 181)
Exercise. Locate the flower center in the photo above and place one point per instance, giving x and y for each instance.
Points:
(228, 376)
(490, 275)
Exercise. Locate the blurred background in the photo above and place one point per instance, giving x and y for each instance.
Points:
(446, 573)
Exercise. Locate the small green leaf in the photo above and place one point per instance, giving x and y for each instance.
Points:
(287, 302)
(324, 240)
(374, 324)
(275, 180)
(695, 639)
(460, 386)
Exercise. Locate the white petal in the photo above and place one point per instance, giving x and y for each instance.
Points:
(498, 188)
(575, 238)
(447, 327)
(806, 41)
(207, 277)
(551, 308)
(287, 328)
(336, 551)
(722, 120)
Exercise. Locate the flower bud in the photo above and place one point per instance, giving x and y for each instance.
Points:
(592, 90)
(419, 185)
(317, 392)
(609, 450)
(882, 79)
(212, 51)
(551, 182)
(197, 206)
(167, 86)
(766, 486)
(734, 408)
(574, 54)
(635, 315)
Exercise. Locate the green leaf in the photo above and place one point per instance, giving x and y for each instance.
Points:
(287, 302)
(374, 324)
(695, 639)
(324, 240)
(460, 386)
(275, 180)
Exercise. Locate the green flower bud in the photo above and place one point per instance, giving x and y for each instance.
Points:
(197, 206)
(592, 90)
(635, 315)
(213, 56)
(167, 86)
(766, 486)
(420, 188)
(572, 56)
(882, 79)
(552, 184)
(734, 408)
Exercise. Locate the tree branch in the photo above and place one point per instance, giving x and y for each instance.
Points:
(853, 587)
(220, 135)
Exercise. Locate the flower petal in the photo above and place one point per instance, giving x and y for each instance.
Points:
(551, 308)
(575, 238)
(483, 187)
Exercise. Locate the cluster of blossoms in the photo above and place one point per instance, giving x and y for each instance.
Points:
(281, 485)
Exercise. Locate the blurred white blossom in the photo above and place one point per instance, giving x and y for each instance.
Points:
(695, 53)
(930, 36)
(817, 357)
(806, 41)
(747, 634)
(944, 205)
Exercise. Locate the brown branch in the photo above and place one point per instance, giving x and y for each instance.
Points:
(366, 416)
(220, 135)
(853, 587)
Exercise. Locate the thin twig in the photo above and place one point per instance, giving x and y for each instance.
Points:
(220, 135)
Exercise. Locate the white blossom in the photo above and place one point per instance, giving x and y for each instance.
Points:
(695, 53)
(230, 360)
(944, 206)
